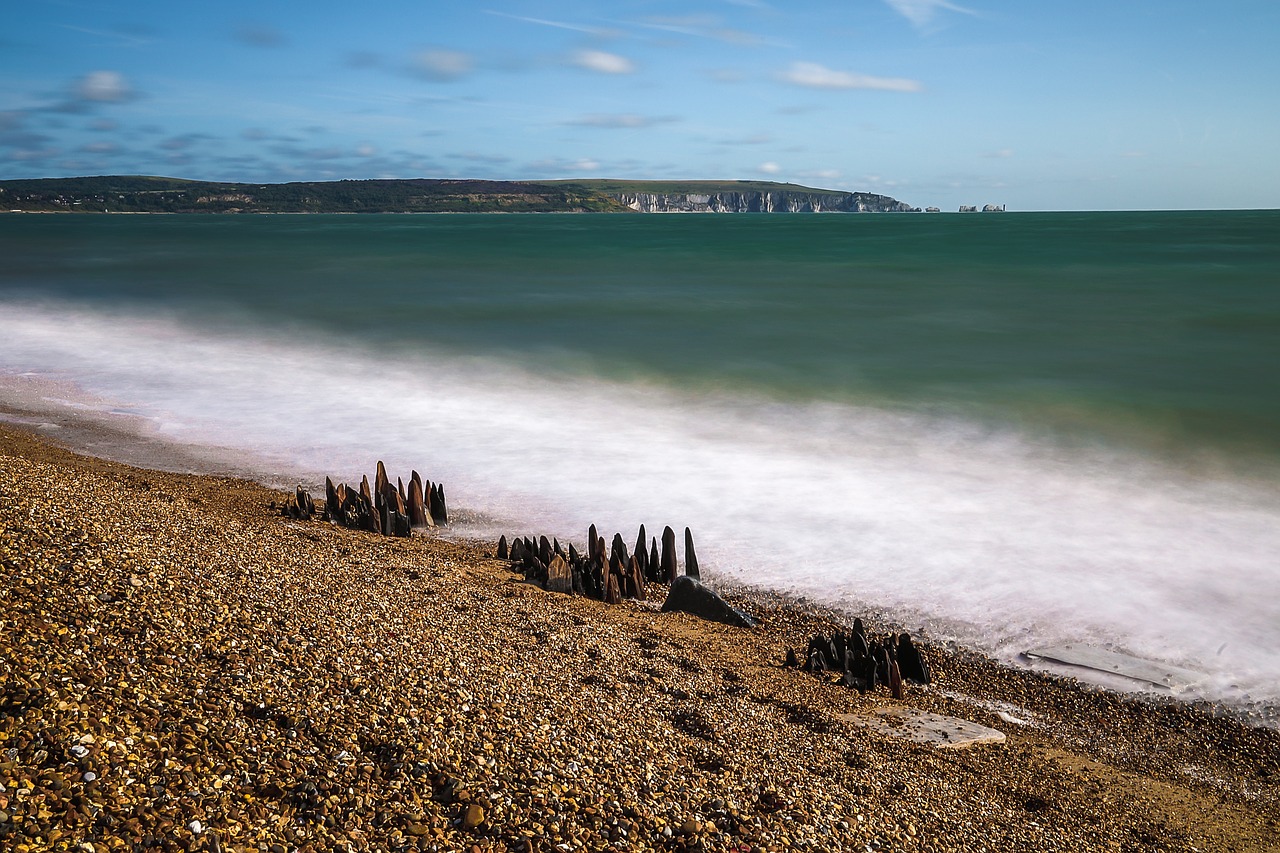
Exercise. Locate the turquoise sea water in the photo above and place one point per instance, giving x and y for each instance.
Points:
(1010, 429)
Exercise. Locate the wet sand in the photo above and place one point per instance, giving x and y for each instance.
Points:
(185, 669)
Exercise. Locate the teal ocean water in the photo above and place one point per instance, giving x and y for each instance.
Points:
(1008, 429)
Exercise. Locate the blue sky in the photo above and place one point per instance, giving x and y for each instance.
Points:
(1040, 105)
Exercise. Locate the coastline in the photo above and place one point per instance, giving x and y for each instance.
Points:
(229, 676)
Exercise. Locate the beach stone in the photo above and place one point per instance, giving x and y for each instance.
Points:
(688, 595)
(472, 816)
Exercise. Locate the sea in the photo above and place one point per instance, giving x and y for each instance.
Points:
(1003, 431)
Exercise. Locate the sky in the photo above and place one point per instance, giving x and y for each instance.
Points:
(1035, 104)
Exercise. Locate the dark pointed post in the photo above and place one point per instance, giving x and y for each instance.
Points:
(668, 555)
(690, 558)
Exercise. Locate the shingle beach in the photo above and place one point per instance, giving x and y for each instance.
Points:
(183, 668)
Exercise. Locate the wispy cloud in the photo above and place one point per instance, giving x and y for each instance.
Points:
(118, 37)
(622, 121)
(603, 62)
(814, 76)
(922, 12)
(599, 32)
(769, 168)
(441, 65)
(700, 26)
(1002, 154)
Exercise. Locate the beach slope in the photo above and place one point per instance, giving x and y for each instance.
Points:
(184, 669)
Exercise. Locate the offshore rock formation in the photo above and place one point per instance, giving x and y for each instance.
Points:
(754, 201)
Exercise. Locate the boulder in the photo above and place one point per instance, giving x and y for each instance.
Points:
(688, 595)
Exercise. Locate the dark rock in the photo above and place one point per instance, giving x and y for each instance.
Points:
(503, 553)
(592, 536)
(690, 558)
(642, 555)
(655, 565)
(792, 659)
(418, 503)
(619, 550)
(913, 664)
(611, 593)
(668, 555)
(559, 578)
(688, 595)
(635, 579)
(854, 682)
(331, 502)
(436, 505)
(373, 521)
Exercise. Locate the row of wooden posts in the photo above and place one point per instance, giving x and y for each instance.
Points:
(606, 573)
(391, 510)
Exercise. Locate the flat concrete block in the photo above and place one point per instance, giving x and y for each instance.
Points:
(925, 727)
(1175, 678)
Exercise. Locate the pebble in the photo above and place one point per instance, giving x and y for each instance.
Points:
(280, 685)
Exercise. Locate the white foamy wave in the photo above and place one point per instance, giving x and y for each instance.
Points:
(989, 536)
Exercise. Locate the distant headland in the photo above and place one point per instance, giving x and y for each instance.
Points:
(143, 194)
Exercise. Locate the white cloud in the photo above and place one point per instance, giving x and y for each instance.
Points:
(442, 65)
(769, 168)
(106, 86)
(814, 76)
(921, 12)
(1002, 154)
(602, 62)
(366, 151)
(586, 164)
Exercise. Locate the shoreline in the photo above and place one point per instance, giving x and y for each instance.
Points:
(227, 665)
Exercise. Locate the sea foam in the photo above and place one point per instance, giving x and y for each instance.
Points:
(989, 535)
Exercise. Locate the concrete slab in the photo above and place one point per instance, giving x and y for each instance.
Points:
(1160, 674)
(925, 727)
